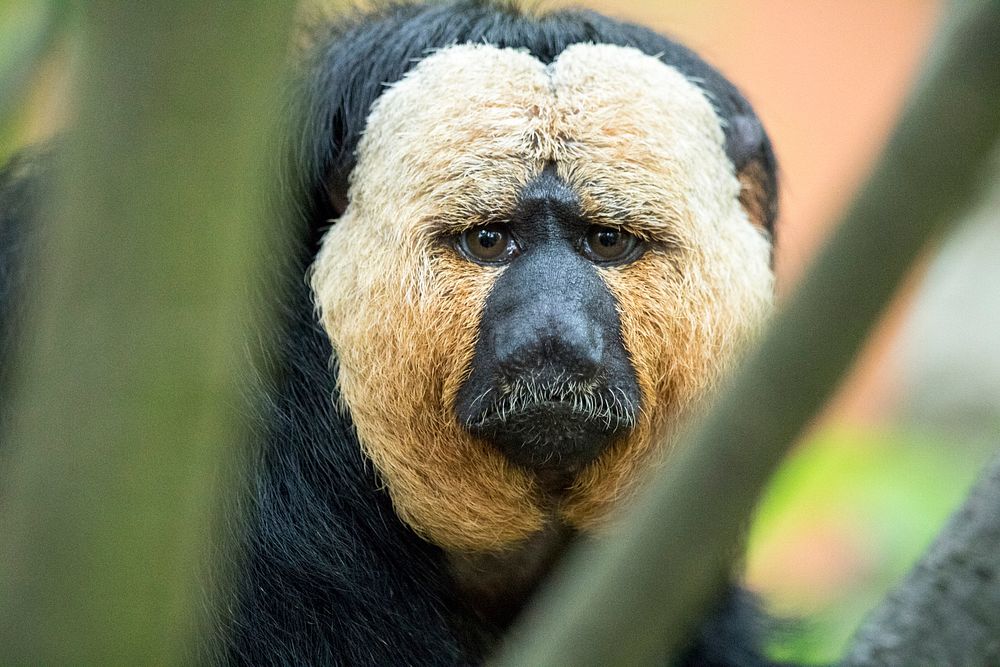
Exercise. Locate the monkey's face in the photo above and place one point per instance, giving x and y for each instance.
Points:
(541, 269)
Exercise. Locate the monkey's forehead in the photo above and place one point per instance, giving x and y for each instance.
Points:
(471, 124)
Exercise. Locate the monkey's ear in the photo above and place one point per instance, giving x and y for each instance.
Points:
(750, 150)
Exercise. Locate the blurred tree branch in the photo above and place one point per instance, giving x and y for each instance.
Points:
(649, 580)
(128, 386)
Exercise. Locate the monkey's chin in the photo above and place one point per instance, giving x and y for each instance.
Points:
(552, 439)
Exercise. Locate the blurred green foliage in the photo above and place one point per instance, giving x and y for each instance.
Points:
(845, 518)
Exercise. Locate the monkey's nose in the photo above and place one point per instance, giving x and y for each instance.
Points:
(553, 339)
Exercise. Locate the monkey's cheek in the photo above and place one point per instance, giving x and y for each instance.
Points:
(679, 356)
(453, 490)
(456, 494)
(674, 356)
(400, 363)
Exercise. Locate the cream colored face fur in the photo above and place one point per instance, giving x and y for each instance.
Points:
(449, 147)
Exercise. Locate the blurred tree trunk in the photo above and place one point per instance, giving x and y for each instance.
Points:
(129, 380)
(949, 348)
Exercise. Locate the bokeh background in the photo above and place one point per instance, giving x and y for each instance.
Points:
(879, 472)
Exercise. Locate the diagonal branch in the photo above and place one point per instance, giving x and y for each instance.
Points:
(637, 594)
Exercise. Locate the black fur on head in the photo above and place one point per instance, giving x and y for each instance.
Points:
(365, 52)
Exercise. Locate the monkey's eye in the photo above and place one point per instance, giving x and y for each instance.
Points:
(607, 244)
(491, 244)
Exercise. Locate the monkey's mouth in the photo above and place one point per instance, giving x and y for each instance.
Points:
(556, 428)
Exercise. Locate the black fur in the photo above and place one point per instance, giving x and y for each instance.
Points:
(327, 573)
(330, 575)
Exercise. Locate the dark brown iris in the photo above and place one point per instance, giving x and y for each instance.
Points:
(490, 244)
(607, 244)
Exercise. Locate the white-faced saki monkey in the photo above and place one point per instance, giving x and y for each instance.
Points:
(526, 246)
